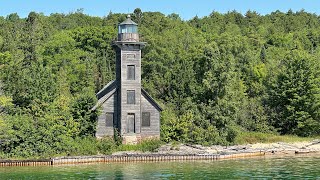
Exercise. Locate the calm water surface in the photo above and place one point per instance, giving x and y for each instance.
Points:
(289, 167)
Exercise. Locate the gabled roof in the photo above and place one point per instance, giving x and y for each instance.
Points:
(108, 90)
(151, 100)
(105, 93)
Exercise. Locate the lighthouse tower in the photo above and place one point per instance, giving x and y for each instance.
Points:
(127, 108)
(128, 74)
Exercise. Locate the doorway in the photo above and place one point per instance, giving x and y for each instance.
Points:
(130, 123)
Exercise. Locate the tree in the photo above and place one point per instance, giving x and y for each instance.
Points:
(138, 15)
(293, 97)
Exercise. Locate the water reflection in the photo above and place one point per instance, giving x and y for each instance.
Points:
(118, 175)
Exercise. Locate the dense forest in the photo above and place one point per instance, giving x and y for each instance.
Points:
(215, 76)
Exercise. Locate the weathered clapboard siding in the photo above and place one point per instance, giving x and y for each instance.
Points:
(154, 128)
(107, 107)
(126, 85)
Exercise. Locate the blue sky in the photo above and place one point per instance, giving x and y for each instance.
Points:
(185, 8)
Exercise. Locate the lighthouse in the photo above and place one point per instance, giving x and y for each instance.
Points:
(125, 106)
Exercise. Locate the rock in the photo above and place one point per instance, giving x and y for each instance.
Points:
(287, 145)
(314, 146)
(280, 148)
(128, 153)
(237, 148)
(314, 142)
(304, 151)
(212, 151)
(196, 146)
(166, 147)
(262, 146)
(217, 147)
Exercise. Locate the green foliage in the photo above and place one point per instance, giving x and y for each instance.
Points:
(117, 137)
(175, 128)
(149, 145)
(107, 145)
(217, 77)
(83, 146)
(293, 97)
(81, 111)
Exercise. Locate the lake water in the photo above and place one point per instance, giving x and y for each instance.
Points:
(289, 167)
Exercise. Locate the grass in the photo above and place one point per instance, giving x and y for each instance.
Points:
(258, 137)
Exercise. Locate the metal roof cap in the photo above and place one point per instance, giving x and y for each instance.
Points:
(128, 21)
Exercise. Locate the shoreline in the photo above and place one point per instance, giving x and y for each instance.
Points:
(181, 152)
(126, 158)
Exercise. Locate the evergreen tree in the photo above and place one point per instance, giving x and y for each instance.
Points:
(293, 97)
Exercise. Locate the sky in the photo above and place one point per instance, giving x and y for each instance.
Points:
(186, 9)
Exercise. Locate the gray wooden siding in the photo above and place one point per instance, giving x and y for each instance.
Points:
(130, 58)
(154, 128)
(108, 106)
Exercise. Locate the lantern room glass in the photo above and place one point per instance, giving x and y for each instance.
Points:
(128, 28)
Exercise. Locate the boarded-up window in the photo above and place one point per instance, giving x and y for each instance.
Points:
(131, 72)
(145, 119)
(131, 99)
(109, 119)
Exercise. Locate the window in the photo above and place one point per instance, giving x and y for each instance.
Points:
(145, 119)
(128, 28)
(131, 99)
(131, 72)
(109, 119)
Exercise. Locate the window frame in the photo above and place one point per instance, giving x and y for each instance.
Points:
(129, 93)
(133, 125)
(134, 72)
(148, 124)
(108, 122)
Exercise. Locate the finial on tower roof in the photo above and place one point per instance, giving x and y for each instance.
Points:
(128, 21)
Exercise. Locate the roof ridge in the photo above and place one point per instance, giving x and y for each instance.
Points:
(151, 99)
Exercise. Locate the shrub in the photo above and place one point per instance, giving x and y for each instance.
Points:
(150, 145)
(106, 145)
(117, 137)
(82, 146)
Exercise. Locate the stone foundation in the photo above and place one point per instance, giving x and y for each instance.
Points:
(137, 138)
(131, 139)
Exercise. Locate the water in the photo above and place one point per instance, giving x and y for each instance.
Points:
(289, 167)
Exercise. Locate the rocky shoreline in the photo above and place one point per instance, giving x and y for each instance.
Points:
(267, 148)
(181, 152)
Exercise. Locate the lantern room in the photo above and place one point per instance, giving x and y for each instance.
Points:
(128, 31)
